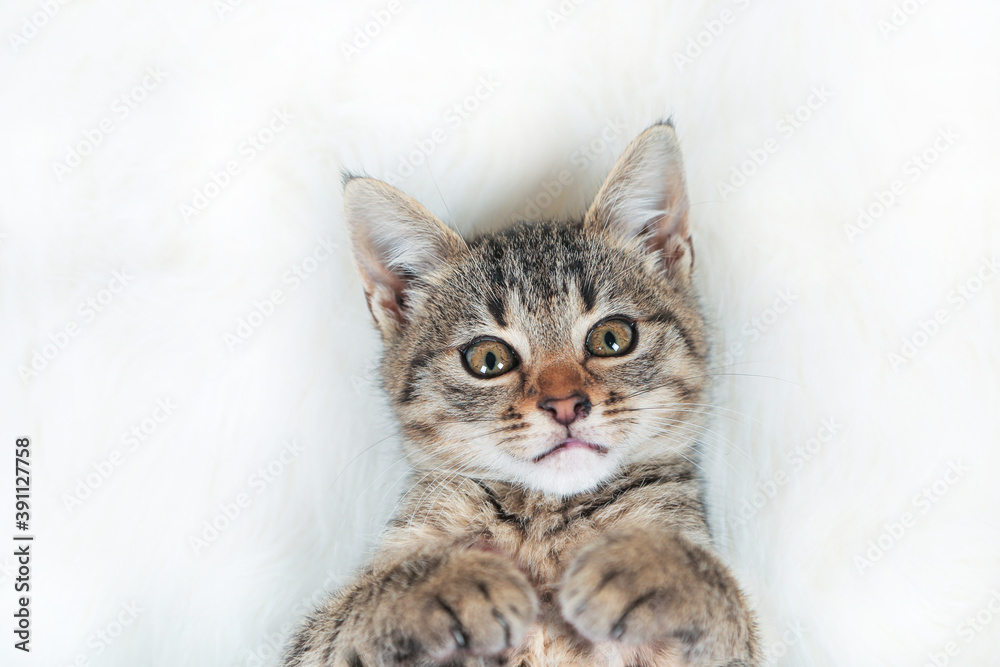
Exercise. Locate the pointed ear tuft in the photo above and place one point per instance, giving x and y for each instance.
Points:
(346, 177)
(394, 240)
(644, 196)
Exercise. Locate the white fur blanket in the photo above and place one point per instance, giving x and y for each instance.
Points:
(187, 346)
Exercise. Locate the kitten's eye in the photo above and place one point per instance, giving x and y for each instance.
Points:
(489, 358)
(611, 338)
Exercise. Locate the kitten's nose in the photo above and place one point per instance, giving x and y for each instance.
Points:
(567, 410)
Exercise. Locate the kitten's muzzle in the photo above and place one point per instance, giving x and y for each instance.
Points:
(567, 410)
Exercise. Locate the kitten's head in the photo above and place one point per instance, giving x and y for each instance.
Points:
(548, 354)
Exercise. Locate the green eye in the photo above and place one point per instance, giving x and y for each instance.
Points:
(611, 338)
(487, 358)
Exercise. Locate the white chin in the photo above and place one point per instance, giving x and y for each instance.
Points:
(568, 473)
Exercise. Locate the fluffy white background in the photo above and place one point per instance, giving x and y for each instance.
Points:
(304, 375)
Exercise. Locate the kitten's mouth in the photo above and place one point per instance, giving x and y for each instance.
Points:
(571, 443)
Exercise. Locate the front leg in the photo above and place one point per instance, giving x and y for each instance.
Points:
(656, 587)
(433, 608)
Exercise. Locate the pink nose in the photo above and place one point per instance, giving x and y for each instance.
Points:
(567, 410)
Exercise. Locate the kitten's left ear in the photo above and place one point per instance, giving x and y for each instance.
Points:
(645, 196)
(395, 240)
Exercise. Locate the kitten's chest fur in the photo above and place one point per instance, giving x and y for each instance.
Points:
(542, 534)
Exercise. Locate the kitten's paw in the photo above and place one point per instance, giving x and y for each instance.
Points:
(475, 604)
(640, 587)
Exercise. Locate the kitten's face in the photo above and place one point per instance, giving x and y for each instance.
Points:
(548, 354)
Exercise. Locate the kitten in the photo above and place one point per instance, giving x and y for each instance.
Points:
(549, 379)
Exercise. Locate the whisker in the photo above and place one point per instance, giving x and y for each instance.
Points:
(445, 486)
(681, 408)
(755, 375)
(696, 428)
(362, 452)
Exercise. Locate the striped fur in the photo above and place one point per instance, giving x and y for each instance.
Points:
(501, 553)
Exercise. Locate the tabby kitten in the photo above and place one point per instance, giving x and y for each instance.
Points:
(549, 379)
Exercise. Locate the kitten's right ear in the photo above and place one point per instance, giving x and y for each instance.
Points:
(645, 197)
(394, 240)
